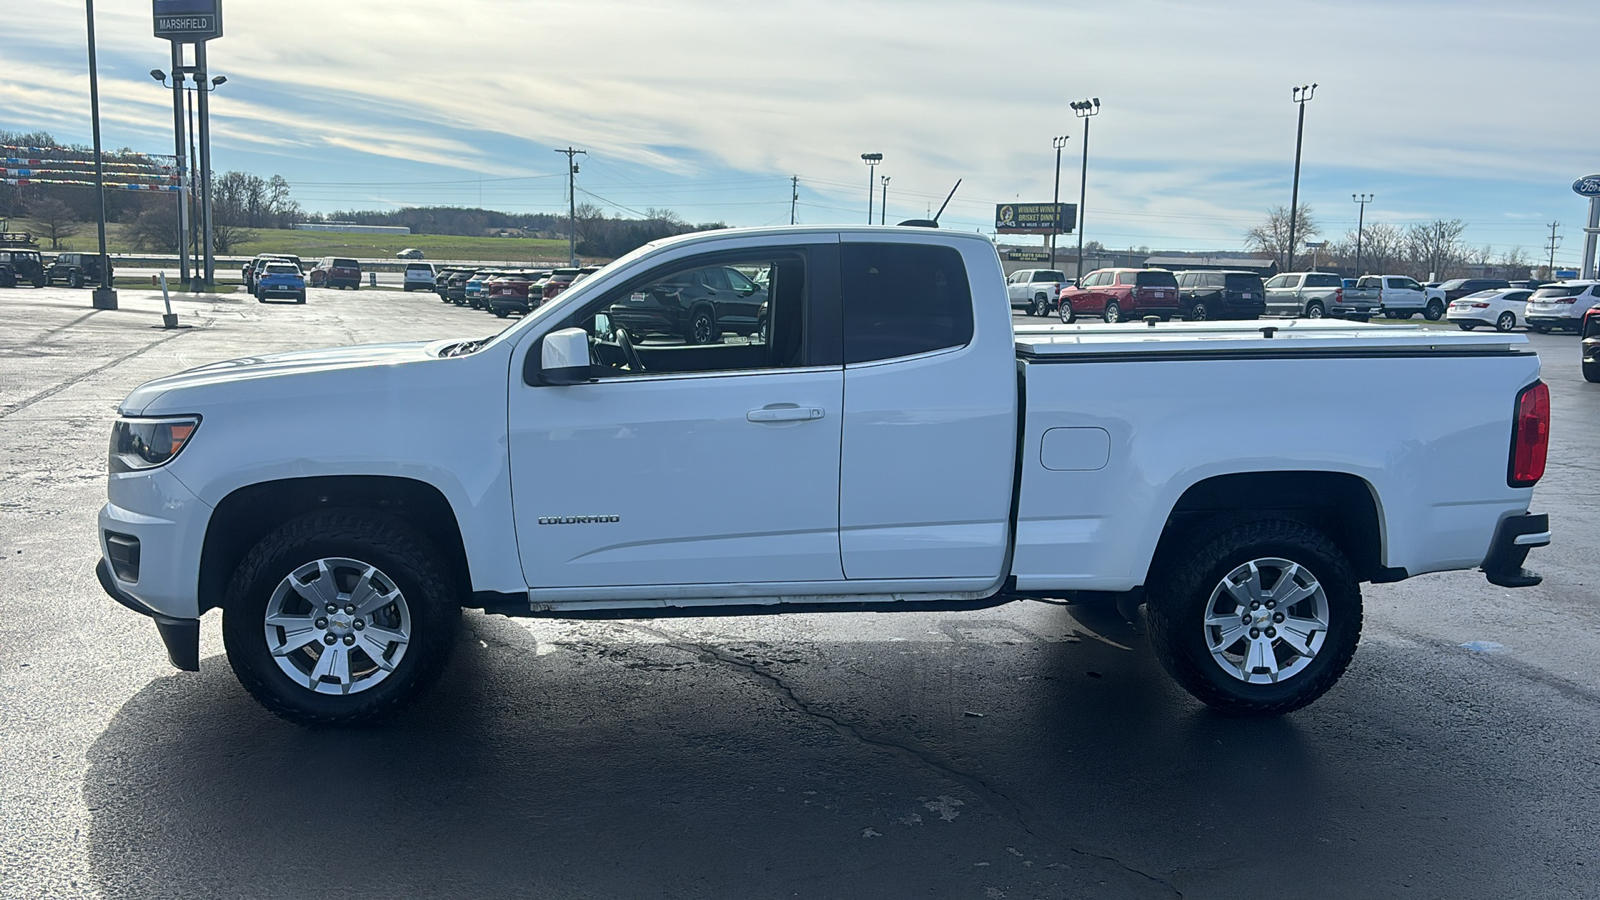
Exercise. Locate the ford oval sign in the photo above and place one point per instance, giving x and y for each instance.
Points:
(1587, 186)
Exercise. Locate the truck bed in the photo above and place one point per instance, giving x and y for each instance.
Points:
(1293, 337)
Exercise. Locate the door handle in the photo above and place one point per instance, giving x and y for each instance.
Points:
(784, 413)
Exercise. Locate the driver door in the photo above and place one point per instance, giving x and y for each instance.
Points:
(683, 464)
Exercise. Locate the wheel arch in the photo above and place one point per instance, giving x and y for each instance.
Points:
(249, 513)
(1342, 505)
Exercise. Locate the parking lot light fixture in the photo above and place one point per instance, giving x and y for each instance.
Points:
(883, 205)
(1302, 95)
(871, 159)
(1361, 219)
(1085, 110)
(1057, 142)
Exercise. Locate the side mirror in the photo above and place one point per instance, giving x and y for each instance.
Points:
(564, 357)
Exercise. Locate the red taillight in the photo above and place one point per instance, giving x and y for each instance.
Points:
(1338, 295)
(1530, 436)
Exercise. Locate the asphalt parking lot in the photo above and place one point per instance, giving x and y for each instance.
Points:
(1025, 751)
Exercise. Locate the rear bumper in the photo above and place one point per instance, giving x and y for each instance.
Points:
(1512, 540)
(181, 636)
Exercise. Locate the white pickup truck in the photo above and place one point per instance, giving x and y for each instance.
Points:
(1399, 297)
(889, 442)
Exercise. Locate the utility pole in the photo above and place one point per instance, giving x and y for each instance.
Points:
(883, 208)
(1055, 198)
(1301, 96)
(572, 204)
(1555, 241)
(1361, 219)
(204, 97)
(794, 195)
(105, 297)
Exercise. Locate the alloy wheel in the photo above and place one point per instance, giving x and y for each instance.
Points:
(337, 626)
(1266, 620)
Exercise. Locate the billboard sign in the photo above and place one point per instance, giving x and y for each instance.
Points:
(188, 20)
(1035, 218)
(1587, 186)
(1027, 256)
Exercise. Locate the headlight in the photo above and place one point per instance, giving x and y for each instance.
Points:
(146, 443)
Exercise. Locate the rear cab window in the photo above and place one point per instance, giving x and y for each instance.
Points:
(903, 299)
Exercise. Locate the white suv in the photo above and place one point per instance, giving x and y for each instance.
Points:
(1562, 305)
(419, 276)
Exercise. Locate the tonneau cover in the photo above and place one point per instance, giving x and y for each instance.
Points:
(1250, 338)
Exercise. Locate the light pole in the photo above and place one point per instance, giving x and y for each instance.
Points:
(1085, 110)
(105, 297)
(184, 174)
(1055, 198)
(1361, 219)
(883, 207)
(1302, 95)
(199, 205)
(871, 159)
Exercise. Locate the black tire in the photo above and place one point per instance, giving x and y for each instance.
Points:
(1467, 326)
(702, 327)
(501, 312)
(7, 279)
(1197, 312)
(301, 297)
(1434, 312)
(1041, 305)
(1591, 372)
(1112, 313)
(403, 556)
(1181, 599)
(1506, 322)
(1396, 314)
(1315, 310)
(75, 279)
(1064, 311)
(1539, 329)
(39, 280)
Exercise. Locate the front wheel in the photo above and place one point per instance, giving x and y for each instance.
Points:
(340, 617)
(1064, 310)
(75, 279)
(1113, 313)
(1041, 306)
(1434, 312)
(1259, 617)
(1591, 372)
(703, 327)
(1197, 313)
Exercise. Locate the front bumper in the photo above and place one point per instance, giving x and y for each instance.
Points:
(1512, 540)
(181, 636)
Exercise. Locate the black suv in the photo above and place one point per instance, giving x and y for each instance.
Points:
(76, 270)
(1220, 295)
(21, 267)
(1456, 288)
(699, 305)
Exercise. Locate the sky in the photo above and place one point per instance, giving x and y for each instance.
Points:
(1455, 110)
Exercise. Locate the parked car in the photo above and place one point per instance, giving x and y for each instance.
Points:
(1315, 295)
(280, 278)
(77, 270)
(1398, 296)
(472, 291)
(552, 470)
(455, 290)
(1591, 345)
(252, 269)
(1500, 308)
(699, 305)
(1118, 294)
(1456, 288)
(559, 280)
(335, 272)
(419, 276)
(1203, 296)
(1035, 290)
(409, 253)
(511, 293)
(21, 267)
(1562, 306)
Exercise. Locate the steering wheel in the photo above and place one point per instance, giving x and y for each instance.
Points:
(626, 343)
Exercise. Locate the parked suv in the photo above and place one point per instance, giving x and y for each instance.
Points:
(1118, 294)
(1035, 290)
(280, 278)
(419, 276)
(1562, 306)
(1591, 346)
(698, 305)
(1456, 288)
(335, 272)
(75, 270)
(252, 269)
(1315, 295)
(21, 267)
(1220, 295)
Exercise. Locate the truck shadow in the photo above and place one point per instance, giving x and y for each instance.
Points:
(627, 762)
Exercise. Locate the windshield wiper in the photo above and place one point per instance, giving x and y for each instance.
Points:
(463, 348)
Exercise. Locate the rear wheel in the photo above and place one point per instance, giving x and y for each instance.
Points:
(1315, 310)
(702, 327)
(75, 279)
(1113, 313)
(1506, 322)
(1197, 312)
(300, 297)
(1539, 329)
(340, 617)
(501, 312)
(1259, 617)
(1041, 306)
(1468, 326)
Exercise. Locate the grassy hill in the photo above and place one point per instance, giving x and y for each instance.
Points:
(311, 245)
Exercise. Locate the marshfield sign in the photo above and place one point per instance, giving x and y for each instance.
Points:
(188, 20)
(1035, 218)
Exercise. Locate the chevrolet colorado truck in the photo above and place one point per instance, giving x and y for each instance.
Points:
(888, 442)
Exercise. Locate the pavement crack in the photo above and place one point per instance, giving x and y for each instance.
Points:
(1127, 868)
(52, 391)
(787, 695)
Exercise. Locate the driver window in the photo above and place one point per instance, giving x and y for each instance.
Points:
(731, 314)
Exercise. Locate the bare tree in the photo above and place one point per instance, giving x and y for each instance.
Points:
(55, 220)
(156, 229)
(226, 237)
(1272, 236)
(1382, 249)
(1515, 258)
(1435, 248)
(1481, 256)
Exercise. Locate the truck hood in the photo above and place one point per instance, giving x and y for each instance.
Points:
(209, 382)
